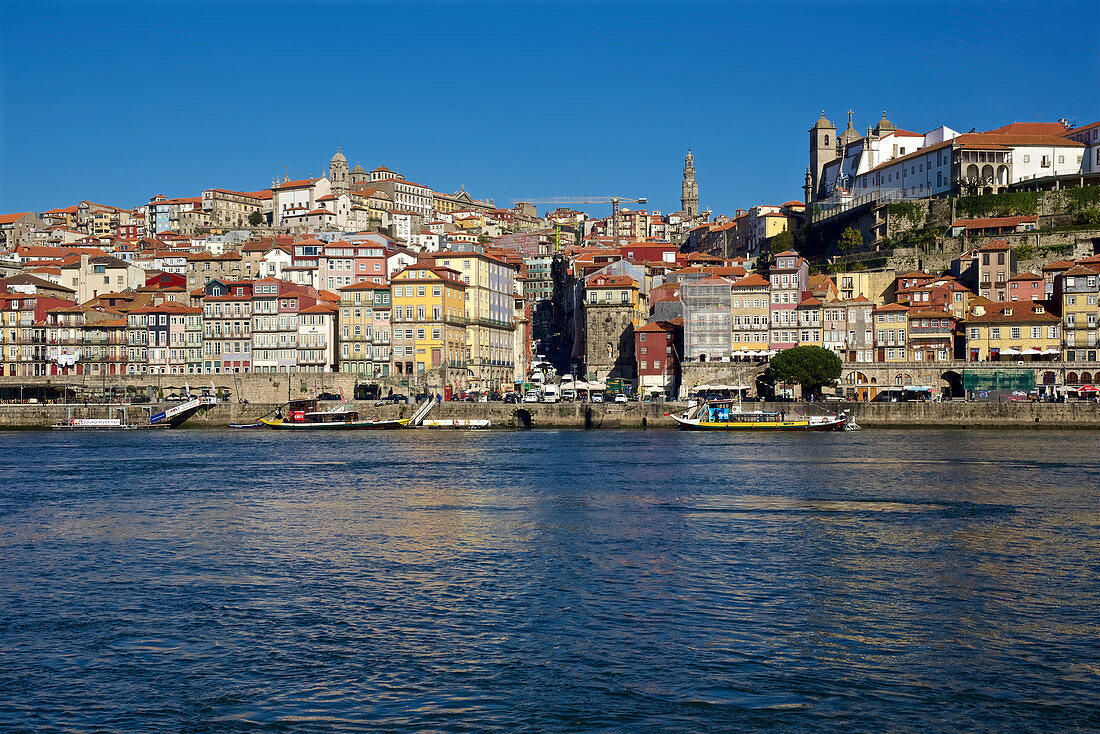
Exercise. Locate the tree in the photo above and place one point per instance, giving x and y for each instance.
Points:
(850, 239)
(809, 366)
(483, 239)
(256, 218)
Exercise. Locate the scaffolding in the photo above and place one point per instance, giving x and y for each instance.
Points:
(708, 319)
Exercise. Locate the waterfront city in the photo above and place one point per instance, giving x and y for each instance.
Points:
(549, 367)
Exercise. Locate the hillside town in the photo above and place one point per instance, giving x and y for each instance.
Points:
(912, 256)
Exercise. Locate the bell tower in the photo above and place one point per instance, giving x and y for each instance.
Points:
(823, 149)
(339, 174)
(689, 190)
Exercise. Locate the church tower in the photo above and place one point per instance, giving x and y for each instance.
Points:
(689, 191)
(823, 149)
(339, 174)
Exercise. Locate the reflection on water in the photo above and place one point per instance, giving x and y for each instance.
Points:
(618, 581)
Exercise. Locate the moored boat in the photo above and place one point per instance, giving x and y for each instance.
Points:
(727, 415)
(303, 415)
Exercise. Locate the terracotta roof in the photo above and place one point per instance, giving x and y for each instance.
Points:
(1080, 270)
(891, 307)
(10, 218)
(756, 279)
(610, 281)
(299, 184)
(1022, 311)
(652, 326)
(1031, 128)
(995, 246)
(993, 222)
(1027, 276)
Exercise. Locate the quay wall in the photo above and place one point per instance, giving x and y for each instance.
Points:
(631, 415)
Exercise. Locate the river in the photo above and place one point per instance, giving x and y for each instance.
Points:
(209, 581)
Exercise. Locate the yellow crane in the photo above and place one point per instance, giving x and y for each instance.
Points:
(614, 201)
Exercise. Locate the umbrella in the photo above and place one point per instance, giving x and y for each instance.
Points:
(1088, 388)
(1052, 351)
(1010, 350)
(1031, 351)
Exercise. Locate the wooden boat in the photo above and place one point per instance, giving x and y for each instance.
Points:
(102, 424)
(304, 415)
(727, 415)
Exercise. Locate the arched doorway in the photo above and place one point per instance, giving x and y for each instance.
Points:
(953, 384)
(1071, 378)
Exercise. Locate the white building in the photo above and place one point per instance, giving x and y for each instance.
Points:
(295, 198)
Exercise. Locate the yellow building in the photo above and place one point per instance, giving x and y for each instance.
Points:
(1010, 331)
(877, 286)
(490, 315)
(1077, 291)
(751, 313)
(429, 325)
(891, 333)
(355, 329)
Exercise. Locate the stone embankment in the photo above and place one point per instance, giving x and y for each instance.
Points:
(610, 415)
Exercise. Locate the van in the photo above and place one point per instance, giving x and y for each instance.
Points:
(568, 394)
(551, 393)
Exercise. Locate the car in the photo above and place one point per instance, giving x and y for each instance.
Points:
(422, 397)
(531, 397)
(620, 397)
(328, 396)
(597, 397)
(396, 398)
(511, 397)
(140, 399)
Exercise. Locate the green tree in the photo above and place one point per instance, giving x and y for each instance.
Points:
(483, 239)
(850, 240)
(256, 218)
(809, 366)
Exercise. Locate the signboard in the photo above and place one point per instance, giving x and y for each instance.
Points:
(95, 422)
(993, 380)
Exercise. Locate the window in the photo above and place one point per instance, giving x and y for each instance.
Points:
(1014, 332)
(995, 332)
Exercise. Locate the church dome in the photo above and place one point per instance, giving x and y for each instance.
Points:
(358, 169)
(339, 157)
(884, 124)
(823, 122)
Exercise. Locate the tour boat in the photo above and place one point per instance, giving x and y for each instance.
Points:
(300, 417)
(102, 424)
(727, 415)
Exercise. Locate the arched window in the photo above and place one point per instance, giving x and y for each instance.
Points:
(1086, 378)
(1071, 378)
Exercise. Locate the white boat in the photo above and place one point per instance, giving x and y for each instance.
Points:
(458, 423)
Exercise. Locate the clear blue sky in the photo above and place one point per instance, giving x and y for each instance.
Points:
(116, 102)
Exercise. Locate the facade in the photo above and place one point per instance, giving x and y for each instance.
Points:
(708, 324)
(364, 336)
(91, 276)
(612, 313)
(317, 338)
(1005, 331)
(275, 308)
(294, 199)
(429, 326)
(227, 328)
(996, 264)
(1076, 292)
(789, 279)
(891, 333)
(657, 355)
(490, 315)
(165, 339)
(933, 335)
(229, 209)
(751, 314)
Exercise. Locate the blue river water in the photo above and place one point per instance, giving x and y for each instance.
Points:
(209, 581)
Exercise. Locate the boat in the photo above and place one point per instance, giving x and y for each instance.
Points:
(728, 415)
(172, 417)
(304, 415)
(102, 424)
(457, 423)
(246, 425)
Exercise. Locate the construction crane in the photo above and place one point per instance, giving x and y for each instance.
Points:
(614, 201)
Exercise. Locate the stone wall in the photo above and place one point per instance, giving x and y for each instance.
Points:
(630, 415)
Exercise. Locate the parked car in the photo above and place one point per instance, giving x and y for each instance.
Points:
(328, 396)
(597, 397)
(620, 397)
(397, 398)
(422, 397)
(511, 397)
(531, 397)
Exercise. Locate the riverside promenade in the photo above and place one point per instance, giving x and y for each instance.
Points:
(612, 415)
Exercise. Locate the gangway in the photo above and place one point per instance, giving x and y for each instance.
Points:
(177, 414)
(421, 413)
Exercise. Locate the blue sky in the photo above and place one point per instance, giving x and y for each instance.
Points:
(115, 102)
